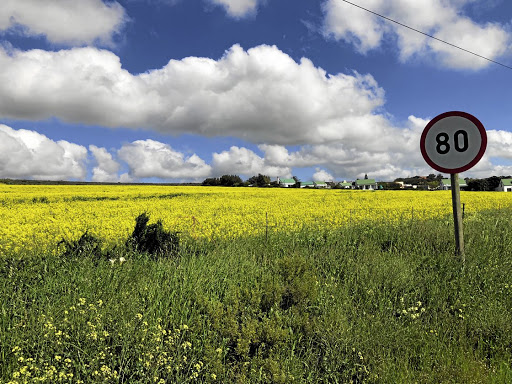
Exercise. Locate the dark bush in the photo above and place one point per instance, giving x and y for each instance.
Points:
(153, 238)
(86, 245)
(211, 181)
(42, 199)
(230, 180)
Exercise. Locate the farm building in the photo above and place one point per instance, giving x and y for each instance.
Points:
(505, 185)
(446, 184)
(286, 183)
(366, 184)
(307, 184)
(320, 184)
(345, 185)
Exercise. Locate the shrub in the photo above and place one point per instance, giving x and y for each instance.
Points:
(153, 238)
(42, 199)
(86, 245)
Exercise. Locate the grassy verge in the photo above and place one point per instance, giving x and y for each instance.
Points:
(369, 303)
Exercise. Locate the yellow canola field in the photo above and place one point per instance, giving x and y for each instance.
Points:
(35, 216)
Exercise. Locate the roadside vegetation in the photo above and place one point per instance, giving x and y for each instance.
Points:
(364, 303)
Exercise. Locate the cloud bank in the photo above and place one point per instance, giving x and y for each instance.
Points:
(260, 95)
(107, 168)
(150, 158)
(444, 19)
(28, 154)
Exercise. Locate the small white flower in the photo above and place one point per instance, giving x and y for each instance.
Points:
(122, 260)
(112, 261)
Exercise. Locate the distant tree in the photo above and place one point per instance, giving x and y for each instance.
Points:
(252, 180)
(230, 180)
(488, 184)
(366, 176)
(416, 180)
(260, 180)
(297, 182)
(211, 181)
(263, 180)
(389, 186)
(493, 182)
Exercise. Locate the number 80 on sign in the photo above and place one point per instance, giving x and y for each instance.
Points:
(453, 142)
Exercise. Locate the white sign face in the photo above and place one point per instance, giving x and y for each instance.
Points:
(453, 142)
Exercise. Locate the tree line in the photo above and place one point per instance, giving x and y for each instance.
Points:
(236, 181)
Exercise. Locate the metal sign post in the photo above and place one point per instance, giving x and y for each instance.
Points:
(457, 216)
(453, 142)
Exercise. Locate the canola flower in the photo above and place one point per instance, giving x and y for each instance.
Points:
(164, 352)
(35, 216)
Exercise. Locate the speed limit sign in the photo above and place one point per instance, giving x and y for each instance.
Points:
(453, 142)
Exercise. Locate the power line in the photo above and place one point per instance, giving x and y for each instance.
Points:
(426, 34)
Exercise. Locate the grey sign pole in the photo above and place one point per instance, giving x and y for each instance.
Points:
(457, 216)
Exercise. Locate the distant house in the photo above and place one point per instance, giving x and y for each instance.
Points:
(446, 184)
(286, 183)
(345, 185)
(505, 185)
(320, 184)
(367, 184)
(307, 184)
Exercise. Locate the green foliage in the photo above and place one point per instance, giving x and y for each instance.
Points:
(211, 181)
(153, 238)
(389, 186)
(87, 245)
(487, 184)
(366, 304)
(150, 239)
(224, 180)
(230, 180)
(260, 180)
(42, 199)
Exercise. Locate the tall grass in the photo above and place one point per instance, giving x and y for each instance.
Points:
(368, 303)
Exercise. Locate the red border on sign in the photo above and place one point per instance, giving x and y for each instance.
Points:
(472, 163)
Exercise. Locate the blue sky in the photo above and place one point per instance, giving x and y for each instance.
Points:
(181, 90)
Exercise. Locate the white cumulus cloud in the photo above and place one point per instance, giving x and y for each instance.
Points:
(238, 8)
(391, 152)
(150, 158)
(322, 175)
(243, 161)
(260, 95)
(443, 19)
(107, 168)
(499, 144)
(69, 22)
(29, 154)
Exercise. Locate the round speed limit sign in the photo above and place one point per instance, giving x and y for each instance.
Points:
(453, 142)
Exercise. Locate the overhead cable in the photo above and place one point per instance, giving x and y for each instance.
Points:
(426, 34)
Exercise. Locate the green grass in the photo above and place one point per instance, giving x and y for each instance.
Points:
(368, 303)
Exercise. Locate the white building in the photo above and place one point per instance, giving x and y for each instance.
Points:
(446, 184)
(505, 185)
(286, 183)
